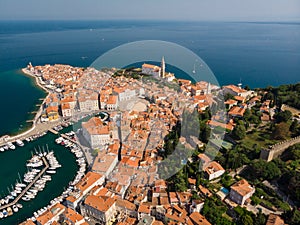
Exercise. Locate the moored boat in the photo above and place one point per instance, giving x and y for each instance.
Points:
(25, 198)
(19, 142)
(9, 211)
(11, 146)
(15, 208)
(5, 214)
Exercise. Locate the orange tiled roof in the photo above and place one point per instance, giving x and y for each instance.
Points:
(126, 204)
(71, 198)
(228, 126)
(205, 191)
(102, 162)
(150, 66)
(27, 222)
(73, 216)
(275, 220)
(242, 187)
(95, 126)
(112, 99)
(239, 98)
(50, 213)
(192, 181)
(204, 158)
(65, 106)
(236, 110)
(235, 89)
(230, 102)
(89, 179)
(199, 219)
(144, 209)
(213, 167)
(100, 203)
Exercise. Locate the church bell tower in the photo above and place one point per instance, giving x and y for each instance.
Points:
(163, 68)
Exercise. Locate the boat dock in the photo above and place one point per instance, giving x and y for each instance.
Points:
(27, 187)
(53, 131)
(68, 138)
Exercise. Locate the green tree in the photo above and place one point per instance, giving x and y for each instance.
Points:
(205, 131)
(281, 131)
(294, 186)
(247, 87)
(228, 96)
(264, 170)
(247, 220)
(283, 116)
(292, 217)
(260, 219)
(236, 159)
(294, 126)
(239, 131)
(180, 181)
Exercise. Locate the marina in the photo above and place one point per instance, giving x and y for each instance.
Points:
(53, 190)
(16, 200)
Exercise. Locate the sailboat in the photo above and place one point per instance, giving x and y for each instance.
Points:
(194, 70)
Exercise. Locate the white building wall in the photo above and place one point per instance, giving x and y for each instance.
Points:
(150, 71)
(99, 139)
(67, 112)
(216, 174)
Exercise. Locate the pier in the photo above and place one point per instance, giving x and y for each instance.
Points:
(68, 138)
(27, 187)
(37, 129)
(53, 131)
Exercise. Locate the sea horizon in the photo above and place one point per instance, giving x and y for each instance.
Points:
(256, 54)
(259, 54)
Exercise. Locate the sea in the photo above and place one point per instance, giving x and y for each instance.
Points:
(13, 167)
(257, 54)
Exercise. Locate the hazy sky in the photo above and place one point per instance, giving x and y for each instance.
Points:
(151, 9)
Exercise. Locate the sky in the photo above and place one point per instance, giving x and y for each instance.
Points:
(197, 10)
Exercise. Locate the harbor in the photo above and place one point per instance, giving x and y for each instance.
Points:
(16, 200)
(54, 189)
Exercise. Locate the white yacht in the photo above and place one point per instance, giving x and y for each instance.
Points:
(15, 208)
(26, 198)
(19, 142)
(11, 146)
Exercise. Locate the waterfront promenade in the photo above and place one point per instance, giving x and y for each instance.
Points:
(37, 129)
(28, 186)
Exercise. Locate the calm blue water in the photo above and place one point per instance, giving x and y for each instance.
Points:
(14, 162)
(259, 54)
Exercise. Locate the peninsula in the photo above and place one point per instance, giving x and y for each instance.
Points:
(138, 125)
